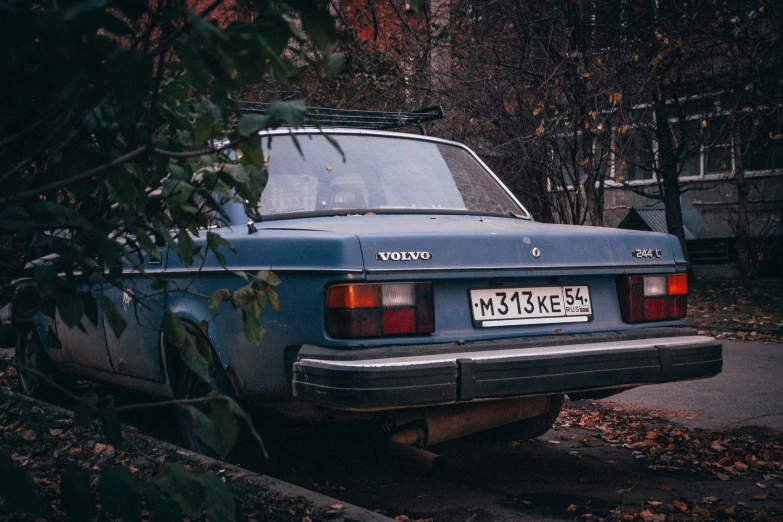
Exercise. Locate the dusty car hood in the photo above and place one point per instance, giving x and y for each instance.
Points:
(443, 242)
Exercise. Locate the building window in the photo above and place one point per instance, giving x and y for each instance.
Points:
(689, 162)
(765, 150)
(718, 147)
(633, 156)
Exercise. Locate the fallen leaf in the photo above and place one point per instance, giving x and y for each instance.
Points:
(572, 507)
(666, 488)
(682, 506)
(626, 490)
(761, 485)
(649, 516)
(760, 497)
(779, 485)
(701, 511)
(723, 476)
(336, 506)
(513, 443)
(643, 444)
(740, 466)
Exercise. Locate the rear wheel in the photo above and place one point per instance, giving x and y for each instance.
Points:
(33, 366)
(530, 428)
(246, 451)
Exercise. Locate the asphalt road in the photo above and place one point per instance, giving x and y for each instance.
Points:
(749, 391)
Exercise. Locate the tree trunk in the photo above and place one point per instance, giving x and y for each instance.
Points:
(667, 174)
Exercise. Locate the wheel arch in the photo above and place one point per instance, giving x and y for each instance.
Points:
(196, 314)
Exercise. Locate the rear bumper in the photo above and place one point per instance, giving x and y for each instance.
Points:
(409, 376)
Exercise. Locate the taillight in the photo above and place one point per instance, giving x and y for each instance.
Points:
(379, 309)
(653, 298)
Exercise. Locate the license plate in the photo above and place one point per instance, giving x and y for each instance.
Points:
(534, 305)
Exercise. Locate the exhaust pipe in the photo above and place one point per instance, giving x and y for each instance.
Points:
(420, 457)
(451, 422)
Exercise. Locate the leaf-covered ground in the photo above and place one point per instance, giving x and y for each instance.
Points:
(44, 442)
(750, 309)
(738, 458)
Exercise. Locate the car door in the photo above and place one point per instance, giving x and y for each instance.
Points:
(136, 352)
(86, 346)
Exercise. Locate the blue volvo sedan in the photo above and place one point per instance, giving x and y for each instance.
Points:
(417, 294)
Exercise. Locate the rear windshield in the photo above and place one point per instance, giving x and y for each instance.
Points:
(379, 175)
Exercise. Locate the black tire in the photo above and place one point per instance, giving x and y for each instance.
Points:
(531, 428)
(246, 451)
(29, 354)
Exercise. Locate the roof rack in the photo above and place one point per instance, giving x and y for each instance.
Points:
(378, 120)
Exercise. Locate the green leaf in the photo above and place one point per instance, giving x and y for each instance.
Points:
(159, 283)
(268, 277)
(83, 7)
(291, 113)
(221, 414)
(46, 278)
(131, 74)
(196, 356)
(161, 507)
(116, 321)
(205, 27)
(186, 247)
(71, 308)
(218, 297)
(251, 123)
(318, 23)
(253, 329)
(214, 242)
(26, 301)
(274, 299)
(240, 413)
(77, 498)
(18, 489)
(252, 155)
(120, 494)
(176, 191)
(335, 64)
(122, 187)
(218, 429)
(197, 71)
(90, 308)
(197, 493)
(173, 329)
(202, 129)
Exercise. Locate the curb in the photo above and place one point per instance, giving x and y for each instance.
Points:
(348, 512)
